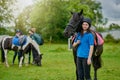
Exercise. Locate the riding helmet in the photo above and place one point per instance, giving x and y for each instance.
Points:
(88, 20)
(19, 31)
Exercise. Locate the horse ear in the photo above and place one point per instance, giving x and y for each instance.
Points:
(80, 12)
(71, 12)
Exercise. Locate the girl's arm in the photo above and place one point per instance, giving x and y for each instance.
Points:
(90, 55)
(76, 43)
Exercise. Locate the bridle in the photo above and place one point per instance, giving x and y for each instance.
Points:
(74, 27)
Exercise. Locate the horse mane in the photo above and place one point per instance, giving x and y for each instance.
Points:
(32, 43)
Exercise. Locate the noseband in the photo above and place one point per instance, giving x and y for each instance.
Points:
(74, 27)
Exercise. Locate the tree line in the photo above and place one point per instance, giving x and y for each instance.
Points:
(50, 17)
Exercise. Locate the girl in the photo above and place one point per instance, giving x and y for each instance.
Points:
(85, 44)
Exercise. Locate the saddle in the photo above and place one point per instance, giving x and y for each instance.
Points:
(19, 41)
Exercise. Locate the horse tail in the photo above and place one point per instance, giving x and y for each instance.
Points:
(96, 58)
(2, 53)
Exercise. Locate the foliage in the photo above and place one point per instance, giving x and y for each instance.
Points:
(50, 17)
(6, 11)
(110, 39)
(22, 22)
(91, 9)
(100, 29)
(2, 31)
(59, 65)
(5, 31)
(114, 26)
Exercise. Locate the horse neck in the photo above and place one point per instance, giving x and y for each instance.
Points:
(34, 44)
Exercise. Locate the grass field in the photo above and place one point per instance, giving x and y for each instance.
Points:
(57, 64)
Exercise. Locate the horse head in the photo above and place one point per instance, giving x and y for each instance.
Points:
(38, 55)
(74, 23)
(38, 60)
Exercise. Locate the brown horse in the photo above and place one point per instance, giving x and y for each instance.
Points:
(6, 44)
(73, 27)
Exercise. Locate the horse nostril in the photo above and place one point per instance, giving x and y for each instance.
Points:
(66, 33)
(38, 64)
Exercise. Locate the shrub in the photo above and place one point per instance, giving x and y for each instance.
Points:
(109, 38)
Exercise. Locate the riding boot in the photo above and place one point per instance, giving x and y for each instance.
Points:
(15, 54)
(13, 59)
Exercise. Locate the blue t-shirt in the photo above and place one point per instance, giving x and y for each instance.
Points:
(15, 41)
(19, 41)
(86, 40)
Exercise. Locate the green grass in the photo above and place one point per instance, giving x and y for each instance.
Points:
(57, 64)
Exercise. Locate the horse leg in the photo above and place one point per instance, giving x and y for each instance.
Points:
(29, 57)
(96, 65)
(2, 55)
(21, 56)
(6, 61)
(26, 59)
(15, 54)
(95, 74)
(20, 63)
(75, 57)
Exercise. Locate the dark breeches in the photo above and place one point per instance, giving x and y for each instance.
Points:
(83, 69)
(96, 60)
(14, 57)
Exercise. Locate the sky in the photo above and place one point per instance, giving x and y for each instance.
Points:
(21, 4)
(110, 9)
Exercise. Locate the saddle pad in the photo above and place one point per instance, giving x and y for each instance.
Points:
(100, 40)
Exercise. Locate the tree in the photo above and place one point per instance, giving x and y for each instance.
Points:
(114, 26)
(91, 8)
(22, 22)
(6, 11)
(50, 17)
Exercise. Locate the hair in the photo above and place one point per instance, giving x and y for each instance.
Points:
(88, 30)
(19, 31)
(87, 20)
(33, 30)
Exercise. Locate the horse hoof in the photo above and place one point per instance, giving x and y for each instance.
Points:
(7, 66)
(26, 64)
(95, 78)
(20, 66)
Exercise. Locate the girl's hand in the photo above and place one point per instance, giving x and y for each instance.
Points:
(89, 61)
(78, 41)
